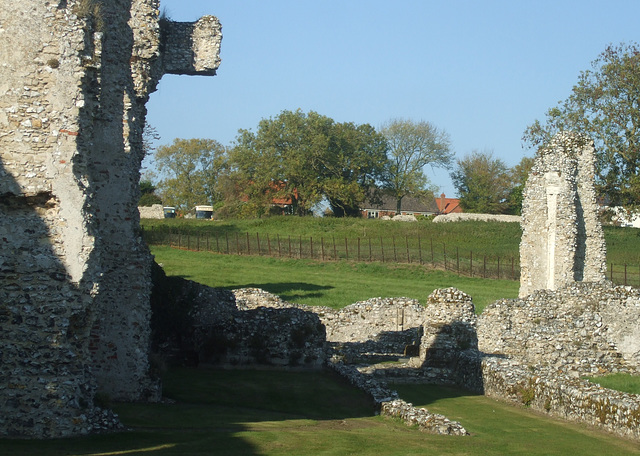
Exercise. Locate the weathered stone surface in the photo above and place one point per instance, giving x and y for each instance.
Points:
(562, 240)
(583, 329)
(74, 272)
(151, 212)
(462, 217)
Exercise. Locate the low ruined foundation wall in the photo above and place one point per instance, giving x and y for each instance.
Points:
(561, 396)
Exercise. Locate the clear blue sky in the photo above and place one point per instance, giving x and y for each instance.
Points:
(480, 69)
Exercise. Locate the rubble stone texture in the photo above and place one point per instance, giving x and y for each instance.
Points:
(562, 240)
(74, 273)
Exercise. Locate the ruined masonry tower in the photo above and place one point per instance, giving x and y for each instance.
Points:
(74, 273)
(562, 239)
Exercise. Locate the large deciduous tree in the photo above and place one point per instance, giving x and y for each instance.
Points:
(483, 183)
(604, 104)
(307, 157)
(189, 170)
(411, 147)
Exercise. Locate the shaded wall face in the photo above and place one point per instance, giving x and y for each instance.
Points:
(46, 388)
(74, 271)
(70, 127)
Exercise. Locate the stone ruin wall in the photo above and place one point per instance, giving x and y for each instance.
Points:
(531, 351)
(74, 272)
(562, 240)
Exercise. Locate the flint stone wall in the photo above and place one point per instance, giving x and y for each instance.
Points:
(562, 240)
(151, 212)
(582, 329)
(74, 271)
(509, 353)
(462, 217)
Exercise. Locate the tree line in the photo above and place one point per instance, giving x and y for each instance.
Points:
(300, 159)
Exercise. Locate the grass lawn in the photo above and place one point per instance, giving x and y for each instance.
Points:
(483, 238)
(621, 382)
(266, 412)
(332, 284)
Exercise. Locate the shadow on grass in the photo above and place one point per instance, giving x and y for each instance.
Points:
(290, 291)
(207, 411)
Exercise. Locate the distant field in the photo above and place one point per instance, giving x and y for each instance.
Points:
(486, 249)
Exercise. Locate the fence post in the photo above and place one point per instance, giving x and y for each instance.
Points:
(432, 257)
(457, 260)
(484, 268)
(382, 248)
(198, 242)
(395, 253)
(217, 244)
(346, 248)
(471, 263)
(311, 245)
(268, 244)
(289, 246)
(238, 243)
(258, 241)
(248, 245)
(406, 240)
(358, 250)
(369, 250)
(300, 253)
(335, 252)
(226, 235)
(611, 272)
(322, 247)
(279, 248)
(419, 249)
(513, 271)
(625, 274)
(444, 254)
(498, 267)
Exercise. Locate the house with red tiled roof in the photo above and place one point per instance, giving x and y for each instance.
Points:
(448, 205)
(385, 205)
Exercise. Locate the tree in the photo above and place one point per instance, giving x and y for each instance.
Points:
(307, 157)
(519, 175)
(483, 183)
(412, 146)
(604, 104)
(148, 195)
(189, 169)
(354, 162)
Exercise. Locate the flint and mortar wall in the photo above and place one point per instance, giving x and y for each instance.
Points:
(74, 271)
(562, 240)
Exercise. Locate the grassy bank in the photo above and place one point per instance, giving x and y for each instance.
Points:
(490, 238)
(333, 284)
(249, 412)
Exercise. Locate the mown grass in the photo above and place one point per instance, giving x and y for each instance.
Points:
(331, 284)
(620, 382)
(263, 412)
(483, 238)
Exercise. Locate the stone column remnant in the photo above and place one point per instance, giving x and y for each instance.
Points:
(562, 239)
(74, 272)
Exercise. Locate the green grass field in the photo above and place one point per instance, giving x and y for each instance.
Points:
(265, 412)
(332, 284)
(484, 238)
(621, 382)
